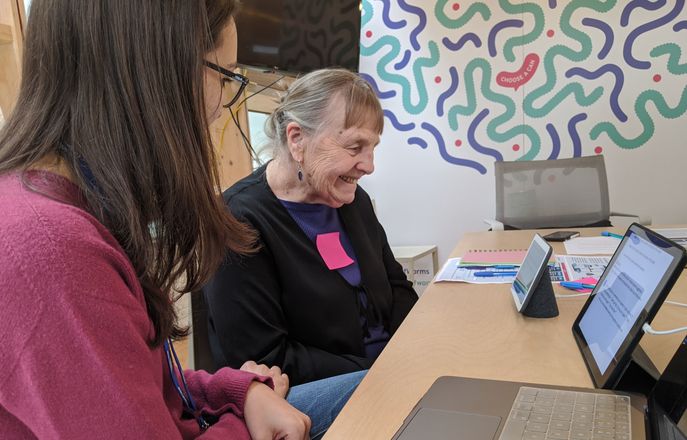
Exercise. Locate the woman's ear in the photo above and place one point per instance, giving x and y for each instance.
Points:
(294, 140)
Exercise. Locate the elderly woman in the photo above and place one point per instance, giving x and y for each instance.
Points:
(323, 295)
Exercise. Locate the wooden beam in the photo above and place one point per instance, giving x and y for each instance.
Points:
(5, 34)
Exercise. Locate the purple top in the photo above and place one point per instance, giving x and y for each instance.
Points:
(316, 219)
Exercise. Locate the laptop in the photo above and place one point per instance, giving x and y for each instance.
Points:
(476, 409)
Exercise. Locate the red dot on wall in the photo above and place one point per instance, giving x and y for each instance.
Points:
(551, 178)
(458, 143)
(516, 147)
(598, 150)
(368, 34)
(437, 79)
(456, 6)
(657, 78)
(550, 33)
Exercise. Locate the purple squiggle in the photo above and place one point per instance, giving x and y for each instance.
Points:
(634, 4)
(606, 29)
(617, 88)
(499, 27)
(417, 141)
(458, 45)
(680, 26)
(387, 19)
(398, 125)
(420, 27)
(453, 86)
(552, 4)
(574, 135)
(373, 84)
(627, 49)
(474, 143)
(555, 142)
(404, 61)
(447, 157)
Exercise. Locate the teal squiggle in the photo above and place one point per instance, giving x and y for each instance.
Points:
(420, 63)
(503, 118)
(455, 23)
(585, 50)
(366, 13)
(522, 40)
(674, 52)
(647, 123)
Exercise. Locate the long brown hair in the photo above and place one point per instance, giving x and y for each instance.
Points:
(116, 88)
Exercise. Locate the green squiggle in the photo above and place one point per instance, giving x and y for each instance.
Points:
(366, 13)
(585, 50)
(522, 40)
(674, 52)
(455, 23)
(401, 80)
(503, 118)
(421, 63)
(640, 108)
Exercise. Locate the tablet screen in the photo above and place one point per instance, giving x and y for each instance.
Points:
(530, 271)
(636, 281)
(621, 297)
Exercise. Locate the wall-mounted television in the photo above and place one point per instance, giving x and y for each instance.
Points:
(299, 35)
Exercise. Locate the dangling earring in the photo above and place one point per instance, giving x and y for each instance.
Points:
(300, 172)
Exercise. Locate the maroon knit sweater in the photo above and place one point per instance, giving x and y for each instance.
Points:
(74, 358)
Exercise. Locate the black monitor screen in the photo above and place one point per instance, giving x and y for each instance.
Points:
(669, 398)
(299, 35)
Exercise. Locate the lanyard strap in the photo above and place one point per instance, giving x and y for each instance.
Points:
(186, 399)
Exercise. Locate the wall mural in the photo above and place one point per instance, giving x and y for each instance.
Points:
(483, 81)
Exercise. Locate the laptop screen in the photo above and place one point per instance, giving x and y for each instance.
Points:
(629, 293)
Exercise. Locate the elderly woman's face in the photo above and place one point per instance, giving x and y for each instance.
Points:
(336, 157)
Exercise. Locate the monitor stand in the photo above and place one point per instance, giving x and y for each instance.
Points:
(640, 376)
(542, 304)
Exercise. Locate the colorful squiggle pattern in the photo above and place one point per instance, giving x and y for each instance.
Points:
(484, 81)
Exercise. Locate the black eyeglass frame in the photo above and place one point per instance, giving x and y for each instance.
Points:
(231, 76)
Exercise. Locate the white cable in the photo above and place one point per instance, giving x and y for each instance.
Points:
(676, 303)
(647, 329)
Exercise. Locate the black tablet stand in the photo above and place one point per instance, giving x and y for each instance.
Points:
(639, 376)
(542, 303)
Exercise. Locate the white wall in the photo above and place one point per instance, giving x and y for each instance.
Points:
(424, 199)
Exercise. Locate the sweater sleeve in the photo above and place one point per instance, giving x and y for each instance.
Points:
(248, 323)
(76, 359)
(221, 392)
(403, 294)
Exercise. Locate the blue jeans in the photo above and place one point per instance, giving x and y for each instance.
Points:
(322, 399)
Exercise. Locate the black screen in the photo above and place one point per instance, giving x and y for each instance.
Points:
(669, 398)
(299, 35)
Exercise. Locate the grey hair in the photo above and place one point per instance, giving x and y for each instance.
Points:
(306, 100)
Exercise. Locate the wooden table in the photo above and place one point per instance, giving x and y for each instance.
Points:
(470, 330)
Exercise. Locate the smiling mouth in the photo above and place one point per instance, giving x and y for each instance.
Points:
(347, 179)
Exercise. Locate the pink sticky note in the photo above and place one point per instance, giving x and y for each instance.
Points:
(588, 280)
(331, 251)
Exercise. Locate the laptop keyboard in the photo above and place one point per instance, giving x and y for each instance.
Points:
(543, 414)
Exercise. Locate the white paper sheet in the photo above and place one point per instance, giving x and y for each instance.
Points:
(453, 272)
(592, 245)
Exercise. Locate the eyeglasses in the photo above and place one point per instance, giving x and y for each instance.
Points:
(230, 76)
(186, 399)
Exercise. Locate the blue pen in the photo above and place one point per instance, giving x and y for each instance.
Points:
(495, 274)
(576, 285)
(494, 266)
(611, 234)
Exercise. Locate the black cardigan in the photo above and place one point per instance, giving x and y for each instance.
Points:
(283, 306)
